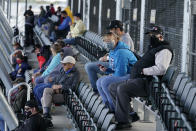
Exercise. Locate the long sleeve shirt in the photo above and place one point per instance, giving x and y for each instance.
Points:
(55, 61)
(162, 62)
(64, 24)
(78, 29)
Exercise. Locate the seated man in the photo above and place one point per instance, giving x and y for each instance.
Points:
(154, 62)
(34, 121)
(76, 29)
(92, 69)
(68, 78)
(63, 29)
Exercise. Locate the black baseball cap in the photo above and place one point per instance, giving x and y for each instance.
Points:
(115, 24)
(31, 103)
(155, 30)
(77, 15)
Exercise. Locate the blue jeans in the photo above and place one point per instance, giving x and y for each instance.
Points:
(92, 70)
(40, 21)
(103, 85)
(38, 91)
(39, 80)
(70, 41)
(2, 123)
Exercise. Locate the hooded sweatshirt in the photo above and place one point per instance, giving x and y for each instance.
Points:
(121, 59)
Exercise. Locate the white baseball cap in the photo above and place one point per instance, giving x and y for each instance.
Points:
(69, 59)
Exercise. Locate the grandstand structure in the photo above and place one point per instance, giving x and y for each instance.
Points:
(171, 105)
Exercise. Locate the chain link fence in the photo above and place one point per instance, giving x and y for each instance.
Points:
(94, 15)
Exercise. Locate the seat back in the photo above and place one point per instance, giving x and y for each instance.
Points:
(81, 85)
(169, 75)
(98, 112)
(85, 95)
(111, 127)
(185, 93)
(107, 122)
(192, 111)
(95, 106)
(83, 91)
(88, 99)
(92, 101)
(189, 99)
(102, 117)
(181, 87)
(177, 81)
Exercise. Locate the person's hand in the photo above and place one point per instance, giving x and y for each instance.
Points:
(56, 27)
(102, 68)
(55, 87)
(50, 79)
(104, 58)
(20, 70)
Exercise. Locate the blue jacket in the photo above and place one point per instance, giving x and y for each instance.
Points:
(65, 24)
(23, 66)
(55, 61)
(121, 59)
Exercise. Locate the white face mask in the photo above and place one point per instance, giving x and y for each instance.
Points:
(111, 45)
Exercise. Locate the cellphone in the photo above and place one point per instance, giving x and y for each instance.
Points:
(100, 65)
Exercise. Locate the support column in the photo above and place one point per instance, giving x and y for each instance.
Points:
(186, 35)
(119, 10)
(143, 3)
(79, 6)
(100, 15)
(72, 6)
(17, 13)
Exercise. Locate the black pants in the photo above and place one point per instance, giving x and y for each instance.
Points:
(123, 92)
(29, 35)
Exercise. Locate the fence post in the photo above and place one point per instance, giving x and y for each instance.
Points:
(119, 10)
(186, 34)
(100, 15)
(143, 3)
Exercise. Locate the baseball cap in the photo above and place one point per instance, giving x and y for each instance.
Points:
(31, 103)
(69, 59)
(155, 30)
(77, 15)
(115, 24)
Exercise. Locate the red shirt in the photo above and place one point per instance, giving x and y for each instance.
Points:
(52, 10)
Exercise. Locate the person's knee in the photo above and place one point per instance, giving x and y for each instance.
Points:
(48, 91)
(88, 66)
(98, 83)
(121, 89)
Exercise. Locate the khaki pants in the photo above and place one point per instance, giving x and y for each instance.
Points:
(50, 95)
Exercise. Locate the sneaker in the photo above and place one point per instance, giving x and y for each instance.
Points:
(47, 116)
(50, 125)
(120, 126)
(133, 117)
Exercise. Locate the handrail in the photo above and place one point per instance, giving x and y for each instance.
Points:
(7, 113)
(16, 86)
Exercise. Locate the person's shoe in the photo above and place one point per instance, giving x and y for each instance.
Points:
(50, 125)
(120, 126)
(47, 116)
(133, 117)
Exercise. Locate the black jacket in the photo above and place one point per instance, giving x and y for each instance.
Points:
(68, 81)
(34, 123)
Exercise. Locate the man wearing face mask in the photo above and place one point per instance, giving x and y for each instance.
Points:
(76, 29)
(154, 62)
(121, 59)
(34, 121)
(116, 27)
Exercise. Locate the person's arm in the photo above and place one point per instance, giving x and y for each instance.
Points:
(162, 61)
(64, 24)
(78, 29)
(122, 63)
(55, 61)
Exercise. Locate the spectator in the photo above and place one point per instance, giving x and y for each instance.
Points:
(17, 50)
(34, 121)
(63, 29)
(20, 97)
(116, 26)
(48, 12)
(42, 16)
(92, 69)
(40, 58)
(20, 68)
(77, 29)
(52, 9)
(154, 62)
(67, 79)
(58, 13)
(121, 59)
(29, 24)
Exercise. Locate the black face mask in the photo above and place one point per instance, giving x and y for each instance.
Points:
(154, 42)
(27, 114)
